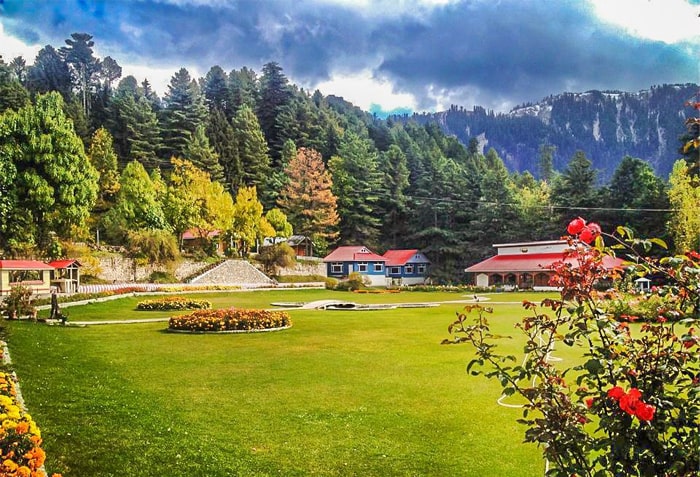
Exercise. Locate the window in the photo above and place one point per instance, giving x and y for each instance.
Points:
(421, 269)
(378, 267)
(362, 266)
(336, 268)
(394, 270)
(409, 269)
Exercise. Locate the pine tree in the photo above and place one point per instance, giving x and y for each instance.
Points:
(275, 94)
(184, 111)
(202, 155)
(223, 140)
(251, 148)
(49, 73)
(357, 183)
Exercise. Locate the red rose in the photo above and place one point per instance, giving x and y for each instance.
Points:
(575, 226)
(589, 233)
(589, 402)
(645, 412)
(629, 404)
(616, 393)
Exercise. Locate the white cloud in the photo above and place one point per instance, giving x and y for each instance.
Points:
(669, 21)
(364, 90)
(12, 47)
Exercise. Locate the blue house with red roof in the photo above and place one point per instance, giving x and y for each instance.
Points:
(406, 267)
(395, 267)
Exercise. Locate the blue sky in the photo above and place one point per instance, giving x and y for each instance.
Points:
(384, 55)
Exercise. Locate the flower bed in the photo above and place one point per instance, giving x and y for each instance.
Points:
(230, 320)
(20, 438)
(173, 303)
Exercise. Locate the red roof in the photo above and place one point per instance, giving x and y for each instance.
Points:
(24, 265)
(64, 263)
(353, 253)
(195, 234)
(396, 258)
(534, 262)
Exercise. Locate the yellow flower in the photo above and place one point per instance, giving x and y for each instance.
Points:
(10, 465)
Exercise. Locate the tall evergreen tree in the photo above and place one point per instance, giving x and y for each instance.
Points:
(49, 73)
(223, 140)
(275, 94)
(104, 160)
(216, 92)
(575, 188)
(243, 86)
(356, 184)
(251, 148)
(184, 111)
(202, 155)
(84, 66)
(394, 201)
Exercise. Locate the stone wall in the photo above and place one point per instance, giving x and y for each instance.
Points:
(119, 269)
(305, 268)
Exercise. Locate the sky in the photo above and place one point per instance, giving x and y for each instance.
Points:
(384, 55)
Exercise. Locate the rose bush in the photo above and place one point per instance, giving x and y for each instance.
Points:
(631, 405)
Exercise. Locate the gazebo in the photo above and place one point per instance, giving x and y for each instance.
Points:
(66, 275)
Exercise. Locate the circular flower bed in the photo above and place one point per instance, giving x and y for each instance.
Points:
(230, 320)
(173, 303)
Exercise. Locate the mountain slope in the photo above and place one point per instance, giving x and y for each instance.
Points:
(606, 125)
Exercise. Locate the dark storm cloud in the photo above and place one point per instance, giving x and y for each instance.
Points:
(492, 53)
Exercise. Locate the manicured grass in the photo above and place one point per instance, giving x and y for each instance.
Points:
(342, 393)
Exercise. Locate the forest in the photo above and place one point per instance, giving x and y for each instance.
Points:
(87, 155)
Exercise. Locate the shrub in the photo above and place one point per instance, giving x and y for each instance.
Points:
(162, 277)
(331, 283)
(173, 303)
(18, 302)
(230, 320)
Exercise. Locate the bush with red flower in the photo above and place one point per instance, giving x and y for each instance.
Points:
(634, 409)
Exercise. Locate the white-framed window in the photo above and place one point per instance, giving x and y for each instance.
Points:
(362, 266)
(421, 269)
(336, 268)
(409, 269)
(395, 270)
(378, 267)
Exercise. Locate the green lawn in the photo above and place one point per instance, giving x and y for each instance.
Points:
(342, 393)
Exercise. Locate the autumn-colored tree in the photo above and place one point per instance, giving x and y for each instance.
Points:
(308, 199)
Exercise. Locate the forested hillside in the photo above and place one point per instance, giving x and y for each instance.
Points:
(607, 125)
(83, 149)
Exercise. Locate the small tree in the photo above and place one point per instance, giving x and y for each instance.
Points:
(276, 256)
(18, 302)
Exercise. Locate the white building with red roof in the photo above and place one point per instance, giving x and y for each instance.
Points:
(525, 264)
(29, 273)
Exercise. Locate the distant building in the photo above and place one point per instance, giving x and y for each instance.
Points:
(194, 239)
(406, 267)
(525, 264)
(342, 261)
(395, 267)
(32, 274)
(65, 275)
